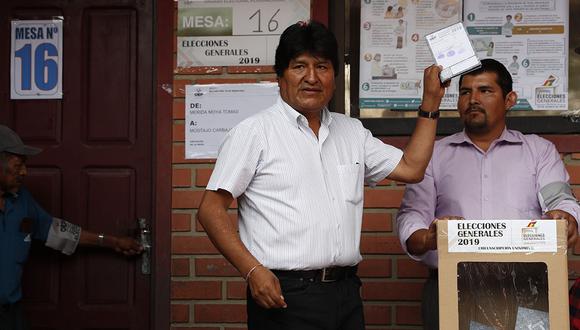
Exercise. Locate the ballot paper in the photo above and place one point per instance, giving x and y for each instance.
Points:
(452, 50)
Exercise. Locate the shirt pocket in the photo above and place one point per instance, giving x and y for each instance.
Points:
(22, 247)
(350, 178)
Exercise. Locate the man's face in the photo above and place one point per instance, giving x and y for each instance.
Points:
(11, 177)
(482, 106)
(307, 84)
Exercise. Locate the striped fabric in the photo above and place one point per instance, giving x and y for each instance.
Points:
(301, 198)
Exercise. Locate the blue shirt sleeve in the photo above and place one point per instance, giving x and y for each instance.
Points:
(41, 219)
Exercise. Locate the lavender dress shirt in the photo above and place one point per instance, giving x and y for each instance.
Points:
(502, 183)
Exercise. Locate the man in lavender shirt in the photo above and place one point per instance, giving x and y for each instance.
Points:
(484, 172)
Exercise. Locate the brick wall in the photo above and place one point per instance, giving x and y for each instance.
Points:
(208, 293)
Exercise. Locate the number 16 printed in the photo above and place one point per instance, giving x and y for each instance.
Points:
(36, 60)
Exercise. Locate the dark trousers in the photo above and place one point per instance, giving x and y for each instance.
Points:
(12, 317)
(312, 305)
(430, 304)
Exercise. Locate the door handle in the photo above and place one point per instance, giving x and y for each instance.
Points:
(145, 240)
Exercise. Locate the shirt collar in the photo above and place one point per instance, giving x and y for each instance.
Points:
(506, 136)
(296, 117)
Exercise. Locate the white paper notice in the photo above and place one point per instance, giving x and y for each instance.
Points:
(36, 59)
(212, 110)
(233, 32)
(502, 236)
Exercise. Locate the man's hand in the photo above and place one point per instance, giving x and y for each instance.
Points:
(127, 246)
(265, 288)
(430, 237)
(433, 89)
(572, 228)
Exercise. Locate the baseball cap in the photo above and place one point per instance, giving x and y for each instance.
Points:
(11, 142)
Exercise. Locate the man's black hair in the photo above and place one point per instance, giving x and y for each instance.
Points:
(504, 78)
(306, 37)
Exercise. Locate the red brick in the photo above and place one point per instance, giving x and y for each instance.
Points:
(214, 267)
(178, 109)
(236, 290)
(385, 198)
(574, 171)
(377, 222)
(180, 267)
(202, 176)
(186, 199)
(407, 268)
(252, 69)
(392, 290)
(179, 313)
(240, 328)
(181, 177)
(179, 87)
(375, 268)
(196, 290)
(576, 155)
(233, 217)
(192, 245)
(180, 222)
(380, 245)
(178, 156)
(220, 313)
(408, 315)
(213, 70)
(377, 314)
(225, 81)
(178, 132)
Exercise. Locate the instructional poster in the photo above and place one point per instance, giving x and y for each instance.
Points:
(212, 110)
(530, 37)
(233, 32)
(394, 52)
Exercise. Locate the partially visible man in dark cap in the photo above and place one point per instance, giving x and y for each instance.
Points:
(22, 219)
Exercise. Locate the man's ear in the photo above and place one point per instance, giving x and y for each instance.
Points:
(510, 100)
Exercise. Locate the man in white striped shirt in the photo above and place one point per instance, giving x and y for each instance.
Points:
(298, 173)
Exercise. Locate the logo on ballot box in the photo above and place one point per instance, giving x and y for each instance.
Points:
(531, 233)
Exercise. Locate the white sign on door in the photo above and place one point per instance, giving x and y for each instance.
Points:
(36, 59)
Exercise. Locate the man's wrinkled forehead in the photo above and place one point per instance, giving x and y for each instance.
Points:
(318, 57)
(492, 79)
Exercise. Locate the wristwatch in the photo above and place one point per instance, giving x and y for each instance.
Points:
(427, 114)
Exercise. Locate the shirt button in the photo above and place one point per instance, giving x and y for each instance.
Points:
(486, 198)
(485, 176)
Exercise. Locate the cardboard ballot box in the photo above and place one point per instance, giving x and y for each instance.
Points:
(502, 274)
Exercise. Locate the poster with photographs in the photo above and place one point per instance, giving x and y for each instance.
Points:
(531, 39)
(394, 52)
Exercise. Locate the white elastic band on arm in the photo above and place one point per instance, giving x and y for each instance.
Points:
(63, 236)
